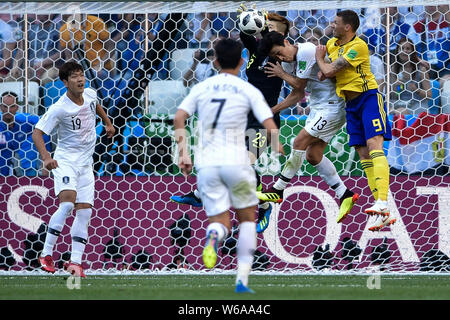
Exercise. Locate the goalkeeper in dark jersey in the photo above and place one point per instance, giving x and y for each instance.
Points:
(270, 88)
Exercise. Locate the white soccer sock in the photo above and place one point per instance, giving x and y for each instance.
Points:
(55, 226)
(290, 168)
(246, 246)
(79, 233)
(221, 230)
(197, 193)
(328, 173)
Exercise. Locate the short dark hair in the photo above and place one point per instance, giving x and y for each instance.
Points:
(68, 68)
(270, 39)
(349, 17)
(228, 53)
(273, 16)
(10, 93)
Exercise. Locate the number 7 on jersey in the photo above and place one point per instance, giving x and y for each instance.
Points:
(221, 103)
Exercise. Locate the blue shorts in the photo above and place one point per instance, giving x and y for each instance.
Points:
(367, 118)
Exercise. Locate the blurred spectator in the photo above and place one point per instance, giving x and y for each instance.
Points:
(13, 132)
(202, 26)
(411, 87)
(223, 23)
(310, 19)
(412, 14)
(398, 28)
(44, 50)
(156, 23)
(198, 29)
(314, 35)
(8, 43)
(434, 40)
(89, 35)
(129, 38)
(445, 9)
(202, 67)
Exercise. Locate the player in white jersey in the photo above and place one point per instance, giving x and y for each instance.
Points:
(326, 117)
(73, 118)
(225, 177)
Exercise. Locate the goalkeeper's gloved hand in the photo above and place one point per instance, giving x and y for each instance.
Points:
(266, 18)
(242, 8)
(265, 14)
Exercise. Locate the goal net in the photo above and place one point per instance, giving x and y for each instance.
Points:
(142, 58)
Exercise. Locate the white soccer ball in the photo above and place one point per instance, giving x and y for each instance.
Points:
(251, 21)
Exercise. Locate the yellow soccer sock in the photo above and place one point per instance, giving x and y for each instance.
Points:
(381, 173)
(367, 166)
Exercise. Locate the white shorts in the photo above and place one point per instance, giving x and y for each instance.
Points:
(227, 186)
(324, 123)
(79, 179)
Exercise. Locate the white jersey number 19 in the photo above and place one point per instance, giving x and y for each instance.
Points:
(76, 123)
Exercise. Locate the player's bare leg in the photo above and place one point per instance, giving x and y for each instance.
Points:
(312, 148)
(327, 171)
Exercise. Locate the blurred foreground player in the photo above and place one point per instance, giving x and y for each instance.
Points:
(225, 176)
(270, 87)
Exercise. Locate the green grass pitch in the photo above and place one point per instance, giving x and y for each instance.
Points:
(220, 287)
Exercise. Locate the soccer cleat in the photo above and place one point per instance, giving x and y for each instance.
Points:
(47, 264)
(382, 221)
(263, 219)
(210, 251)
(347, 201)
(271, 195)
(189, 198)
(74, 269)
(240, 288)
(379, 208)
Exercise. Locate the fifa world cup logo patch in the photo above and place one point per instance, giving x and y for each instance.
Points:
(302, 65)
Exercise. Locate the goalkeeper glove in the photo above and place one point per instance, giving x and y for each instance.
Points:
(242, 8)
(265, 14)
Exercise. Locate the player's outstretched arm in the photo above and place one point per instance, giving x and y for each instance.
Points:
(184, 159)
(329, 70)
(38, 139)
(110, 130)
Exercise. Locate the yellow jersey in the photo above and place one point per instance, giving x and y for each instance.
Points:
(358, 77)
